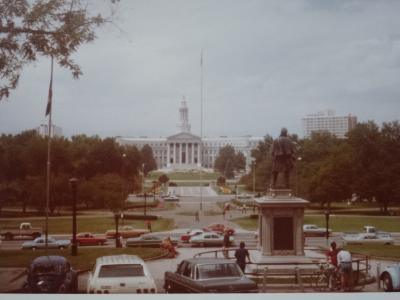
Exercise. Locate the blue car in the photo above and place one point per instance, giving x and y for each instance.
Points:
(390, 277)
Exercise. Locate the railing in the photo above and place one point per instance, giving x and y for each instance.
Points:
(303, 274)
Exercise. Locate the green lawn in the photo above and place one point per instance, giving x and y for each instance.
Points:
(87, 223)
(338, 223)
(84, 260)
(387, 251)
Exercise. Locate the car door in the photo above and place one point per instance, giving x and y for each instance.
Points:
(215, 240)
(183, 281)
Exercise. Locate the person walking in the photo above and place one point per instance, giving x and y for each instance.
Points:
(241, 254)
(345, 267)
(332, 260)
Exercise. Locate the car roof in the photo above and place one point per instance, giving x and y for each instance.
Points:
(208, 260)
(119, 259)
(49, 259)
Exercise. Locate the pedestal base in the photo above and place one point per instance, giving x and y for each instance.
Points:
(282, 259)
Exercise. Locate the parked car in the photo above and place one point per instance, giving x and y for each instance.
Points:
(366, 238)
(126, 231)
(220, 228)
(24, 230)
(186, 237)
(390, 277)
(208, 239)
(314, 230)
(40, 243)
(208, 275)
(150, 240)
(50, 274)
(171, 198)
(244, 196)
(120, 274)
(88, 239)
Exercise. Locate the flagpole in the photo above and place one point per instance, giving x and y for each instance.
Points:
(201, 130)
(48, 112)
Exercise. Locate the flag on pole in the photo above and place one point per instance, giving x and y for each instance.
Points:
(48, 108)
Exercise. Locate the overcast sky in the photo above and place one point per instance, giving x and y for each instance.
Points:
(267, 64)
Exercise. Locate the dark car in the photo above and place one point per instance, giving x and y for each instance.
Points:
(50, 274)
(208, 275)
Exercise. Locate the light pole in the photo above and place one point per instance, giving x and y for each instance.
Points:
(123, 183)
(254, 184)
(327, 212)
(74, 248)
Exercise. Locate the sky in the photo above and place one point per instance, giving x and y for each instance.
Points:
(266, 64)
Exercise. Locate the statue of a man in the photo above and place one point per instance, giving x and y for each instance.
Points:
(283, 157)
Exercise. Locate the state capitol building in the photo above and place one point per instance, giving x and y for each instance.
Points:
(186, 151)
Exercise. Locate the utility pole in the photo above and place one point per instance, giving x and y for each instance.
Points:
(201, 130)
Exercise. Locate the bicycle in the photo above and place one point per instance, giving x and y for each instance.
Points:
(327, 278)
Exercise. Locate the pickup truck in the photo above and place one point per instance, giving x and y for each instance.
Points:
(24, 230)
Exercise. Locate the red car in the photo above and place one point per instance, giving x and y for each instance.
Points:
(186, 237)
(220, 228)
(88, 239)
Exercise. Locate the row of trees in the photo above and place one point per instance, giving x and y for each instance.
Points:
(106, 170)
(227, 161)
(328, 169)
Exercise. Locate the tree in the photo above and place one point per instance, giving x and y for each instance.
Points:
(240, 161)
(221, 181)
(228, 172)
(163, 179)
(56, 28)
(148, 159)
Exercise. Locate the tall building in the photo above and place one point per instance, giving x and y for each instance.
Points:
(327, 121)
(185, 151)
(43, 130)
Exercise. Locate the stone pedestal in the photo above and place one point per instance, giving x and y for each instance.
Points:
(281, 218)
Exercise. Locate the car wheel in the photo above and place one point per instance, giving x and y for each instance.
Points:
(8, 236)
(387, 282)
(33, 248)
(61, 247)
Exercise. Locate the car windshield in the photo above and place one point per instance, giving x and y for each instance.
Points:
(209, 271)
(121, 271)
(46, 269)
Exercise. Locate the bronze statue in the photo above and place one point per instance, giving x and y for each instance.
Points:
(283, 157)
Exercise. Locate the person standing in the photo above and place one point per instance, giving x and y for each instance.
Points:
(332, 259)
(345, 267)
(241, 254)
(227, 243)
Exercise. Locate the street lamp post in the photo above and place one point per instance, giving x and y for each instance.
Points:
(74, 248)
(254, 185)
(327, 212)
(296, 174)
(124, 188)
(117, 239)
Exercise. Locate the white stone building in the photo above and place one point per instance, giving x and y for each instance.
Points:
(328, 121)
(185, 151)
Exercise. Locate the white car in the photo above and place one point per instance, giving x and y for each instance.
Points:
(120, 274)
(209, 239)
(171, 198)
(367, 238)
(314, 230)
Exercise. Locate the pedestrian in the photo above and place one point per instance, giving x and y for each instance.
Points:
(245, 208)
(332, 259)
(149, 225)
(197, 217)
(241, 255)
(227, 243)
(223, 214)
(345, 267)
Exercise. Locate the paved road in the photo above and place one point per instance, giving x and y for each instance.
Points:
(192, 191)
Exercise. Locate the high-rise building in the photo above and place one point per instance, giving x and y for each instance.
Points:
(328, 122)
(187, 151)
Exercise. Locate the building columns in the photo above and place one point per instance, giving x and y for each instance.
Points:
(174, 159)
(180, 153)
(187, 153)
(168, 155)
(198, 155)
(192, 158)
